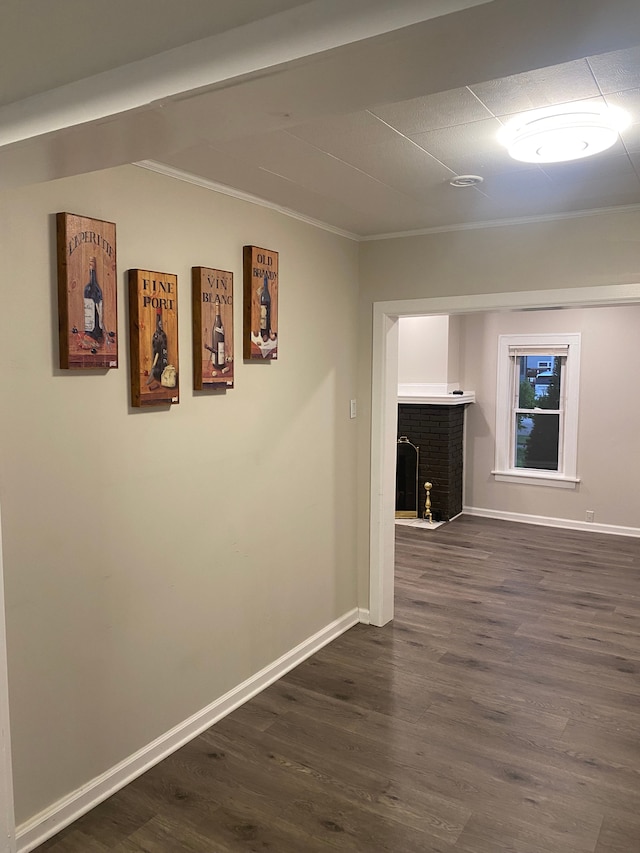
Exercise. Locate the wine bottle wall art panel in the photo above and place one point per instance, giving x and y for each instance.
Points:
(212, 294)
(261, 292)
(87, 292)
(153, 318)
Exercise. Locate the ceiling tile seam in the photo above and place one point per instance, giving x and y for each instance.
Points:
(372, 177)
(412, 141)
(223, 189)
(487, 194)
(376, 180)
(424, 150)
(633, 165)
(622, 142)
(440, 162)
(339, 159)
(493, 115)
(291, 181)
(595, 78)
(273, 172)
(333, 157)
(606, 91)
(361, 171)
(314, 193)
(546, 174)
(482, 104)
(448, 168)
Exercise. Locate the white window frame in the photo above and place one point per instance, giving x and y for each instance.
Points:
(505, 471)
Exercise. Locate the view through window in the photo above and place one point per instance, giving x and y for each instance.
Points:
(538, 411)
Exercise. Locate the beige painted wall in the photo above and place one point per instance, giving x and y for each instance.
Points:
(156, 559)
(609, 414)
(589, 251)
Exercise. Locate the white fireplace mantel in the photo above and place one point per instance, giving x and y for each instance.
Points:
(433, 394)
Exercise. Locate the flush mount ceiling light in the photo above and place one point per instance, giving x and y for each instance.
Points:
(567, 132)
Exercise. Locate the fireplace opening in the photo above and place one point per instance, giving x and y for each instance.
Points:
(407, 457)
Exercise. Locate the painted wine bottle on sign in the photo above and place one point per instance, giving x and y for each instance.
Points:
(261, 292)
(212, 296)
(93, 307)
(87, 298)
(153, 309)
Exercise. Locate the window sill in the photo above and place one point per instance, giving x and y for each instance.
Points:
(537, 478)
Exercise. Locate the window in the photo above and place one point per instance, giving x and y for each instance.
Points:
(537, 409)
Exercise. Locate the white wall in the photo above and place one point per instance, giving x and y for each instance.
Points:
(429, 350)
(454, 352)
(609, 414)
(155, 559)
(423, 350)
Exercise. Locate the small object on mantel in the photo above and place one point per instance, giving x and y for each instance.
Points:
(458, 393)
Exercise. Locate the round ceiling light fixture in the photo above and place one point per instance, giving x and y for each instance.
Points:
(563, 133)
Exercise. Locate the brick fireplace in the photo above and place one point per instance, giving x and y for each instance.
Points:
(438, 430)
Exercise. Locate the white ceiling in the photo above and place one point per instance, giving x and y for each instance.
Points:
(346, 112)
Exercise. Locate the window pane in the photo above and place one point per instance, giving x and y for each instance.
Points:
(537, 441)
(539, 377)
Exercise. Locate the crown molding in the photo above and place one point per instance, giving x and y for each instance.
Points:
(223, 189)
(503, 223)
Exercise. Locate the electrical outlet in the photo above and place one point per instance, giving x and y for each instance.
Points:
(590, 515)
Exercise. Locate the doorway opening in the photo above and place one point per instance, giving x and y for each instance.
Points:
(384, 408)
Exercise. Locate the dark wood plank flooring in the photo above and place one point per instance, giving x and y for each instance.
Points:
(498, 713)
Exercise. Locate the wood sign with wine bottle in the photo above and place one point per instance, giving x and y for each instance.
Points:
(212, 297)
(261, 291)
(153, 332)
(87, 292)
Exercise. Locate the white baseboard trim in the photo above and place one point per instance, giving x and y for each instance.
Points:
(49, 822)
(363, 616)
(544, 521)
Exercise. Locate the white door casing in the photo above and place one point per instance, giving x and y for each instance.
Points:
(384, 404)
(7, 819)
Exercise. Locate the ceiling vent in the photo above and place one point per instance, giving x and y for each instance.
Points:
(466, 181)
